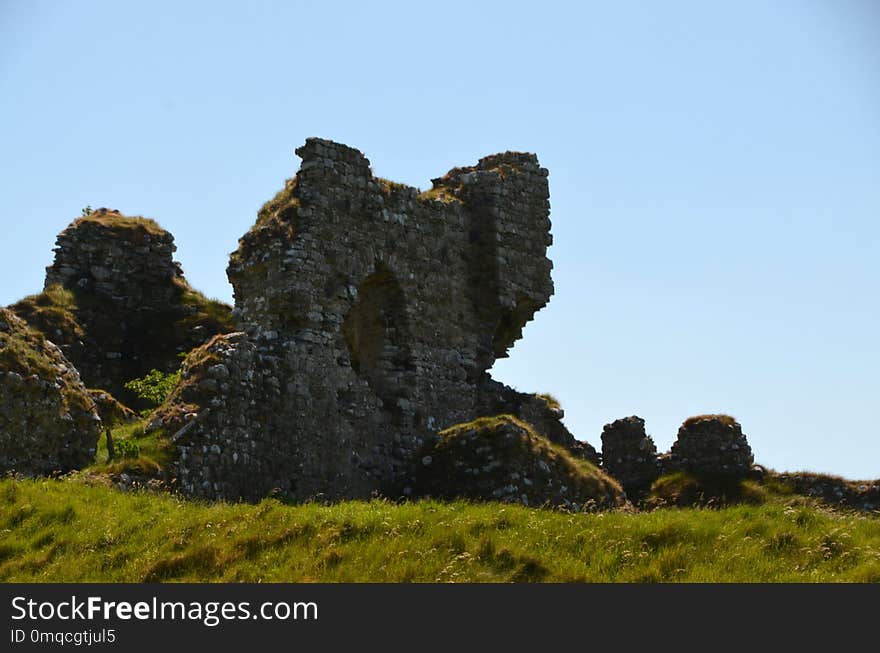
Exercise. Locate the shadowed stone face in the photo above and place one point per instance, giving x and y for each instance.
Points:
(712, 444)
(48, 421)
(370, 314)
(629, 454)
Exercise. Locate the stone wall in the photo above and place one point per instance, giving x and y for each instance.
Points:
(370, 313)
(48, 421)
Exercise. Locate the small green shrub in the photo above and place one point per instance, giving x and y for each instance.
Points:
(154, 387)
(127, 449)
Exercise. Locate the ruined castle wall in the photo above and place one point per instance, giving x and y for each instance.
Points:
(378, 309)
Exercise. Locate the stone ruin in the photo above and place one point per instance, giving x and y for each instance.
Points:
(707, 445)
(502, 458)
(629, 455)
(369, 314)
(117, 303)
(48, 421)
(711, 444)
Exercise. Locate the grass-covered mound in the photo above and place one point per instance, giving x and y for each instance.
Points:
(502, 458)
(685, 489)
(64, 531)
(48, 420)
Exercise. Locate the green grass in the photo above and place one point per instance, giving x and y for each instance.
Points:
(440, 193)
(22, 352)
(551, 401)
(154, 453)
(727, 420)
(687, 489)
(213, 314)
(56, 530)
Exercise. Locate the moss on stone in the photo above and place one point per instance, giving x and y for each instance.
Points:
(48, 420)
(551, 401)
(727, 420)
(53, 312)
(112, 219)
(188, 397)
(502, 458)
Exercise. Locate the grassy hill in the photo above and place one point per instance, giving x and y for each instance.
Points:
(67, 530)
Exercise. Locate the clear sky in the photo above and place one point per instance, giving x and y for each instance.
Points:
(714, 175)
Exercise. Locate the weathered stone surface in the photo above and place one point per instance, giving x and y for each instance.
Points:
(629, 455)
(502, 459)
(711, 444)
(542, 412)
(117, 303)
(859, 495)
(48, 421)
(370, 314)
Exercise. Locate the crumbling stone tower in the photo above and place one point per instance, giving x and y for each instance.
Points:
(117, 303)
(370, 313)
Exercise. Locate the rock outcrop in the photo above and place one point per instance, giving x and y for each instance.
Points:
(629, 455)
(48, 421)
(501, 458)
(369, 313)
(711, 444)
(117, 303)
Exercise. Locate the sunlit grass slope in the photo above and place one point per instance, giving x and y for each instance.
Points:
(69, 531)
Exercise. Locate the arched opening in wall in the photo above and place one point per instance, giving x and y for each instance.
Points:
(377, 335)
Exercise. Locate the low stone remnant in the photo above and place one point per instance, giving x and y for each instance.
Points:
(117, 303)
(48, 421)
(859, 495)
(543, 412)
(711, 444)
(629, 455)
(502, 459)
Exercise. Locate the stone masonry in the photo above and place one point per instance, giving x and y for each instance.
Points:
(711, 444)
(629, 455)
(370, 313)
(117, 303)
(48, 421)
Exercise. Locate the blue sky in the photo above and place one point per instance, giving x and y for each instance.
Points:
(714, 175)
